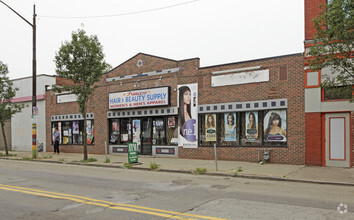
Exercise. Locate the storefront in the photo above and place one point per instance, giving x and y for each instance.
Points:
(179, 109)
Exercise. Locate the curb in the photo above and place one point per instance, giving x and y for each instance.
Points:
(245, 176)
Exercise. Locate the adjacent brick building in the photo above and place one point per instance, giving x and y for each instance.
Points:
(329, 122)
(138, 102)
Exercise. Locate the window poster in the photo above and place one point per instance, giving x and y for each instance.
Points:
(210, 127)
(230, 126)
(75, 127)
(115, 127)
(89, 130)
(136, 133)
(251, 121)
(171, 122)
(187, 97)
(274, 126)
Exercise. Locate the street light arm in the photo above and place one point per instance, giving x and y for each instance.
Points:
(17, 13)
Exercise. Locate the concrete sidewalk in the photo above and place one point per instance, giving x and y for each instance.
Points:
(282, 172)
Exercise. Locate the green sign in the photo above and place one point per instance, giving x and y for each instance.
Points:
(132, 152)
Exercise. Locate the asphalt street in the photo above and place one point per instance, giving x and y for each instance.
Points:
(34, 190)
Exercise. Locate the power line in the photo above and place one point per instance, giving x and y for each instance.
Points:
(121, 14)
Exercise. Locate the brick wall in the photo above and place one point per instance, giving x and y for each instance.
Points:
(312, 10)
(313, 139)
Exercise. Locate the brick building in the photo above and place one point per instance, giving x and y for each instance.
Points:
(250, 110)
(329, 121)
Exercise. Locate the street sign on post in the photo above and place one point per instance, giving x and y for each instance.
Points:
(132, 152)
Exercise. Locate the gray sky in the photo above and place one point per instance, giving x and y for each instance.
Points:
(216, 31)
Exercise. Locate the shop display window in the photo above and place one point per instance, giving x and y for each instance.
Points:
(253, 128)
(126, 131)
(158, 130)
(71, 132)
(172, 130)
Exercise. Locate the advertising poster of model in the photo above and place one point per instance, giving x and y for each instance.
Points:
(230, 126)
(274, 126)
(187, 98)
(210, 127)
(251, 121)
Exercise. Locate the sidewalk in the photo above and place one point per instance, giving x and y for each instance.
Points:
(282, 172)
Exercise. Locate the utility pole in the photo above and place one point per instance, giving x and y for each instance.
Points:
(34, 79)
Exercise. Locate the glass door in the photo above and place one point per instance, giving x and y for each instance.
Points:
(146, 136)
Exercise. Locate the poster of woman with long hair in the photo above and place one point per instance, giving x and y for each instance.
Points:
(251, 125)
(187, 97)
(210, 127)
(275, 126)
(230, 126)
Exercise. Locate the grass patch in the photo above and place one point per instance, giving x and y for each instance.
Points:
(128, 165)
(239, 169)
(47, 157)
(62, 159)
(26, 158)
(153, 166)
(91, 159)
(200, 171)
(108, 160)
(234, 173)
(9, 155)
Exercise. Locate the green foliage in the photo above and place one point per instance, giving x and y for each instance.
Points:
(47, 157)
(200, 171)
(153, 166)
(108, 160)
(239, 169)
(26, 158)
(89, 160)
(8, 155)
(62, 159)
(7, 92)
(333, 47)
(81, 61)
(128, 165)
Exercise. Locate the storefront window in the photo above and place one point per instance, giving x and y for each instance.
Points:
(172, 130)
(251, 124)
(114, 131)
(158, 130)
(126, 135)
(71, 132)
(254, 128)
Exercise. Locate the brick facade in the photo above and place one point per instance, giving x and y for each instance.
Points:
(291, 89)
(314, 139)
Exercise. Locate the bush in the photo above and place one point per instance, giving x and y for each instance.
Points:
(128, 165)
(200, 171)
(153, 166)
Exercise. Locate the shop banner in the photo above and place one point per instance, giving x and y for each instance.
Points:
(230, 126)
(139, 98)
(274, 125)
(251, 126)
(187, 97)
(132, 152)
(210, 127)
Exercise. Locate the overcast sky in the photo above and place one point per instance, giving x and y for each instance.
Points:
(216, 31)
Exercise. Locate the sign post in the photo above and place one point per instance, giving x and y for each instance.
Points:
(132, 152)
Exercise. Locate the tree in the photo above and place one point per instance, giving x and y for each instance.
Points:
(333, 47)
(7, 108)
(82, 62)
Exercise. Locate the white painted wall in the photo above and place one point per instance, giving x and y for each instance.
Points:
(21, 123)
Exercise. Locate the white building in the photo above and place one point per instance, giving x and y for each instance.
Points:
(21, 123)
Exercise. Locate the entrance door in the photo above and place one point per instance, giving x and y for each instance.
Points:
(337, 140)
(146, 136)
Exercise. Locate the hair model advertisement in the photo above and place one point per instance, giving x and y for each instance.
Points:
(187, 98)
